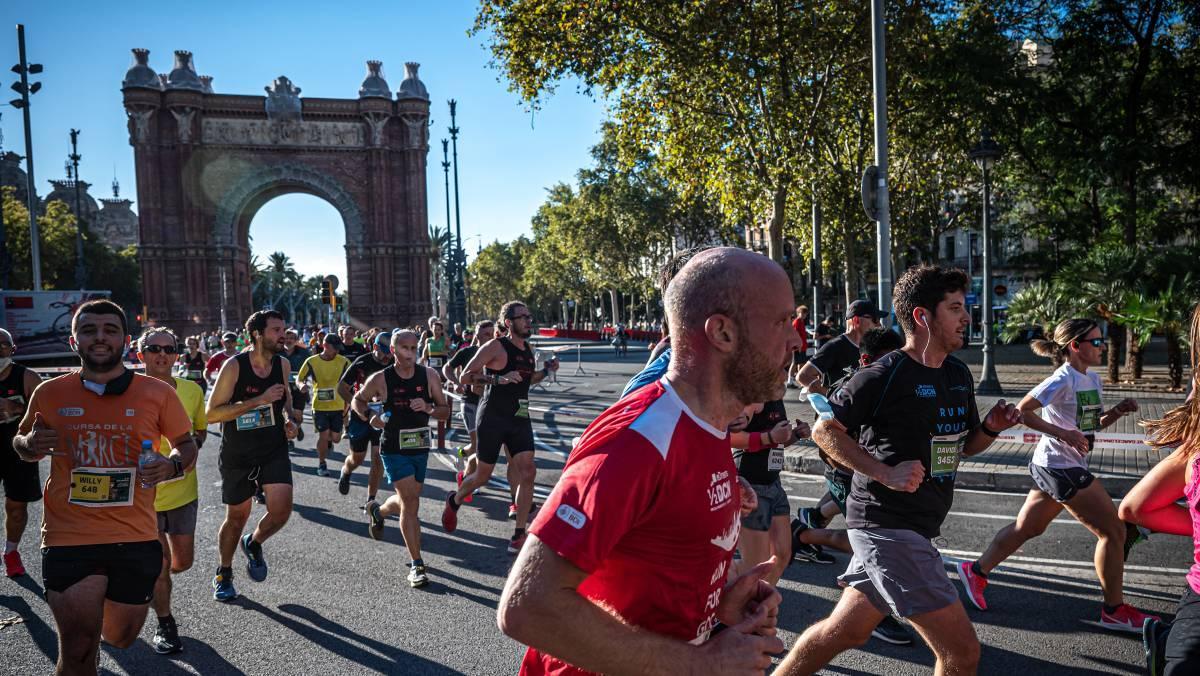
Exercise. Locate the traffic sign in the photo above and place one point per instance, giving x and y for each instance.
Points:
(972, 299)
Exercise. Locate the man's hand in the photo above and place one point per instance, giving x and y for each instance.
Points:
(748, 596)
(510, 378)
(781, 433)
(1075, 439)
(42, 440)
(1002, 416)
(155, 471)
(289, 430)
(552, 363)
(420, 405)
(905, 477)
(748, 497)
(1126, 406)
(800, 430)
(739, 650)
(273, 394)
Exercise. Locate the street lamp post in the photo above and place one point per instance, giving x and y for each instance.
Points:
(80, 265)
(459, 291)
(25, 69)
(985, 155)
(454, 262)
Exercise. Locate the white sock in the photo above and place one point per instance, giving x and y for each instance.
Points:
(9, 546)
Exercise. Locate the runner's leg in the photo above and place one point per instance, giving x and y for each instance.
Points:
(16, 517)
(236, 517)
(825, 537)
(951, 636)
(375, 476)
(848, 627)
(279, 510)
(1035, 515)
(1093, 507)
(78, 615)
(406, 502)
(524, 471)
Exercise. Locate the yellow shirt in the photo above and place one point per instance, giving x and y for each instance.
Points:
(177, 493)
(327, 373)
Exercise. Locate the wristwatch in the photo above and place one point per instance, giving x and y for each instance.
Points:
(178, 468)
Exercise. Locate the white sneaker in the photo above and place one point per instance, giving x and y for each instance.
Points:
(416, 576)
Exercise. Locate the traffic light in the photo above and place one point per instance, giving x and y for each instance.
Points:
(327, 297)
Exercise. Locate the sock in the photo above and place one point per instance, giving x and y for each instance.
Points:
(165, 620)
(975, 569)
(9, 546)
(255, 547)
(450, 501)
(225, 571)
(417, 562)
(1110, 609)
(518, 533)
(371, 498)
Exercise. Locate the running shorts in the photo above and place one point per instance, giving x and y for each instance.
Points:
(131, 568)
(361, 434)
(238, 483)
(1061, 484)
(21, 480)
(1182, 651)
(327, 420)
(772, 502)
(838, 484)
(397, 466)
(900, 571)
(179, 521)
(495, 431)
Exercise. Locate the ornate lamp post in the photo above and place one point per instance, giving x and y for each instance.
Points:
(985, 155)
(460, 294)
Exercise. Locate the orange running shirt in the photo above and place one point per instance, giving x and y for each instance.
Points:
(91, 496)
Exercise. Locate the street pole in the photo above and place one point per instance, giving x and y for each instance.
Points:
(883, 237)
(454, 261)
(35, 246)
(816, 261)
(80, 265)
(459, 291)
(224, 298)
(985, 155)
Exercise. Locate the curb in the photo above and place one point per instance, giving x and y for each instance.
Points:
(1010, 480)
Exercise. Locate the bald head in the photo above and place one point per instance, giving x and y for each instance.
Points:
(718, 281)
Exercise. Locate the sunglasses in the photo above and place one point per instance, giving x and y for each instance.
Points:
(1096, 342)
(155, 349)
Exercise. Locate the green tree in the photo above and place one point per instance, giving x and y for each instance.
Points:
(495, 276)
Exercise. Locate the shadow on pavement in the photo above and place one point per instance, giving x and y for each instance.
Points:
(42, 634)
(140, 658)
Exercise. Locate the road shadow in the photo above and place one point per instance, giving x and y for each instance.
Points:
(140, 658)
(43, 635)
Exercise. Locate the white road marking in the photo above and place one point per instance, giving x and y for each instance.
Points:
(956, 555)
(969, 515)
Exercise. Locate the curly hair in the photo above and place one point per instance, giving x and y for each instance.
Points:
(925, 286)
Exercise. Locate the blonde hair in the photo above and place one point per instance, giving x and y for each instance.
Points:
(1181, 425)
(1067, 332)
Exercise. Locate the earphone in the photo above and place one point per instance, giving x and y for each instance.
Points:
(922, 321)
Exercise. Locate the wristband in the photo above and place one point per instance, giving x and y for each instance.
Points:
(984, 427)
(755, 443)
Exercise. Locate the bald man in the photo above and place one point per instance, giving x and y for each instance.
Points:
(22, 484)
(648, 504)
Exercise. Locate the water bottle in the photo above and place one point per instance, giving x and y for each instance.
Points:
(820, 404)
(146, 457)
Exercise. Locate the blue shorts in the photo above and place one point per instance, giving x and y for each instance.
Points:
(328, 420)
(397, 467)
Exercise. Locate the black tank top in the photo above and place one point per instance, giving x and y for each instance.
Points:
(406, 431)
(196, 363)
(258, 434)
(13, 388)
(757, 467)
(508, 400)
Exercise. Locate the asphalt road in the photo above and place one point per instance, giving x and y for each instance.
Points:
(336, 601)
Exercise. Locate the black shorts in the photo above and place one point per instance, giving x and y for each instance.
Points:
(131, 568)
(1182, 651)
(238, 482)
(1061, 484)
(361, 434)
(493, 431)
(21, 480)
(799, 357)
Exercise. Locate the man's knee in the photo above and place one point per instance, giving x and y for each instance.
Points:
(963, 655)
(237, 515)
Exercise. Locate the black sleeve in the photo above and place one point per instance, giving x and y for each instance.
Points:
(460, 358)
(855, 402)
(351, 375)
(826, 358)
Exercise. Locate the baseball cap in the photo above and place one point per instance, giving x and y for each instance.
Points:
(864, 308)
(384, 341)
(228, 335)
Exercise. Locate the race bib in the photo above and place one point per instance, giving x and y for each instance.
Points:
(522, 408)
(194, 374)
(436, 362)
(944, 453)
(102, 486)
(1087, 411)
(325, 394)
(775, 460)
(256, 419)
(414, 439)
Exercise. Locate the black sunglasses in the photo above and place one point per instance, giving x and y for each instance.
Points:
(155, 349)
(1096, 342)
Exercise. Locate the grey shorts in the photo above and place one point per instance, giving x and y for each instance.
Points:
(468, 415)
(772, 502)
(900, 571)
(179, 521)
(1062, 484)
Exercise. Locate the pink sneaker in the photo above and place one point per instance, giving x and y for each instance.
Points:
(13, 567)
(973, 584)
(1125, 618)
(515, 544)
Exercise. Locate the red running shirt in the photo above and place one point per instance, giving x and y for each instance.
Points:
(648, 506)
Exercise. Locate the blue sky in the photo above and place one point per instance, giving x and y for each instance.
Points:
(507, 156)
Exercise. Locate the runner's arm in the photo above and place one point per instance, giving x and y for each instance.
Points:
(369, 390)
(185, 450)
(1117, 412)
(344, 388)
(293, 415)
(541, 607)
(1152, 502)
(810, 377)
(441, 407)
(831, 437)
(1001, 417)
(220, 408)
(489, 355)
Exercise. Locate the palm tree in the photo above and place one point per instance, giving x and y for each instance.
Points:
(441, 255)
(1041, 304)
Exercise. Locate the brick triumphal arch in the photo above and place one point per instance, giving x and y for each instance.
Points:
(206, 163)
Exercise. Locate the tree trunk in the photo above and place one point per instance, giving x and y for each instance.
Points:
(1134, 358)
(1174, 359)
(1115, 335)
(775, 224)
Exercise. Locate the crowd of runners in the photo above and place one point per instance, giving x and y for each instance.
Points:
(660, 545)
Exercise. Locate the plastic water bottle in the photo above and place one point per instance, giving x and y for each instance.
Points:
(820, 404)
(145, 458)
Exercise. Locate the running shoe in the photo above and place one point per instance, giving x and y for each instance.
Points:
(376, 521)
(459, 478)
(166, 638)
(449, 514)
(1126, 618)
(416, 577)
(299, 432)
(322, 469)
(515, 543)
(810, 517)
(13, 566)
(222, 585)
(807, 552)
(256, 565)
(973, 584)
(891, 630)
(344, 482)
(1154, 642)
(512, 509)
(1134, 535)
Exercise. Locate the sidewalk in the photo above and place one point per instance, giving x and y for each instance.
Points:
(1004, 466)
